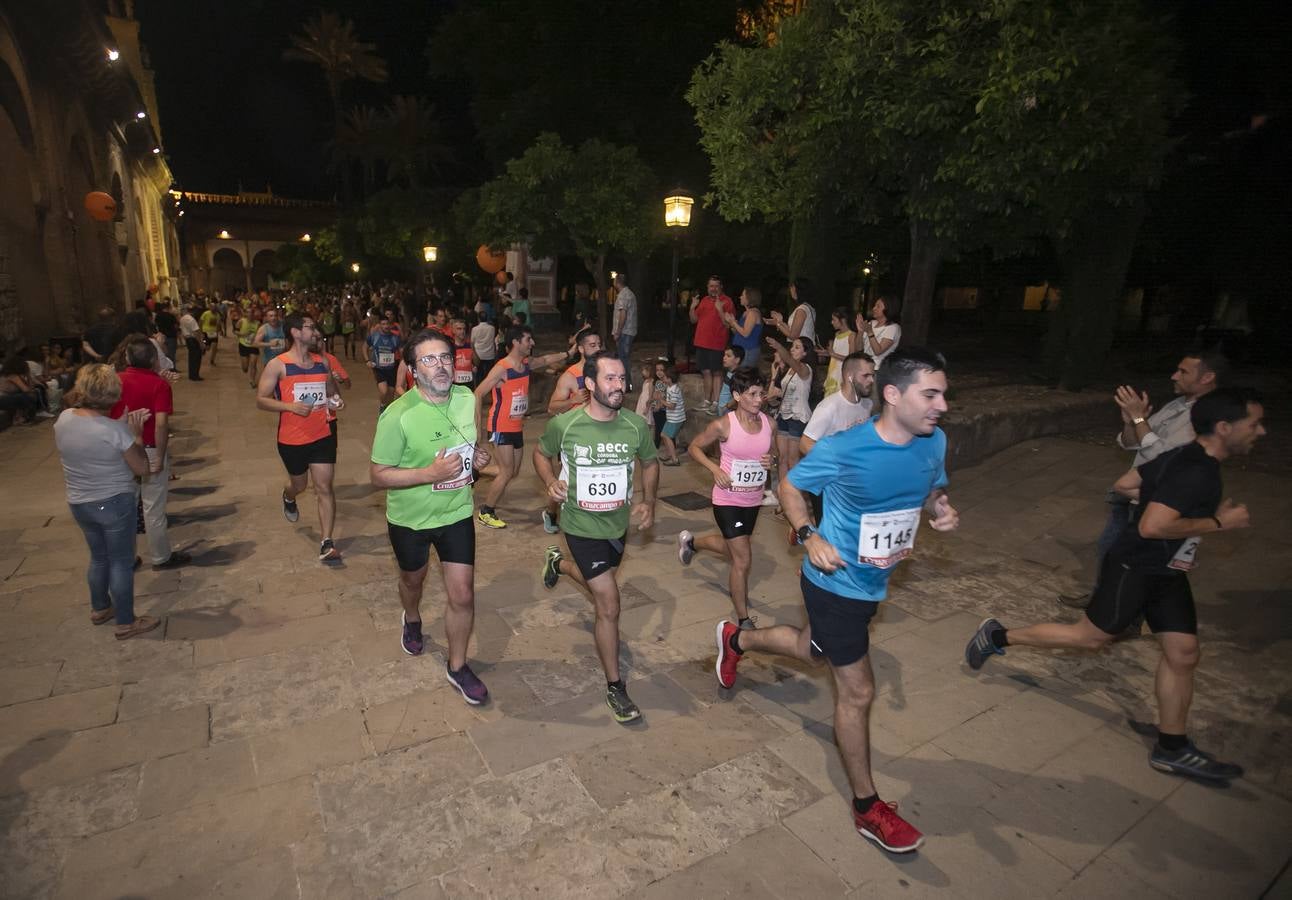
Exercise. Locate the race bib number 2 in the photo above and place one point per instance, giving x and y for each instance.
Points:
(887, 538)
(601, 487)
(747, 475)
(1187, 556)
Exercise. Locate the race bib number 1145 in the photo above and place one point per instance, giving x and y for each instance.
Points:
(887, 538)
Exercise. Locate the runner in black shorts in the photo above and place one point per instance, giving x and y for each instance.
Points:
(744, 438)
(1179, 494)
(424, 455)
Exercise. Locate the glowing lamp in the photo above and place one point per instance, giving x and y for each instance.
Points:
(677, 209)
(430, 253)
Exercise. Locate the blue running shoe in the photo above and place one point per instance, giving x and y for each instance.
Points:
(981, 645)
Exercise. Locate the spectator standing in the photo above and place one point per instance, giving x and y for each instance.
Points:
(625, 328)
(520, 307)
(168, 325)
(484, 343)
(707, 313)
(883, 332)
(103, 337)
(192, 335)
(747, 327)
(802, 321)
(101, 457)
(143, 388)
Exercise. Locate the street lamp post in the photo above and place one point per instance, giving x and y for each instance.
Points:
(430, 253)
(677, 214)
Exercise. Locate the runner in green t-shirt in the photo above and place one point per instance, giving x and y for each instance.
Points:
(597, 446)
(210, 325)
(424, 455)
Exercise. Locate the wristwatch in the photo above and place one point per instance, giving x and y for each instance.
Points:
(805, 532)
(1138, 420)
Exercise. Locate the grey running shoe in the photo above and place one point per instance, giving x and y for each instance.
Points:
(981, 646)
(472, 688)
(749, 623)
(549, 523)
(1194, 763)
(1076, 601)
(290, 512)
(411, 636)
(624, 709)
(685, 547)
(328, 551)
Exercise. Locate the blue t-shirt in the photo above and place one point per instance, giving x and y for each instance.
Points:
(859, 474)
(382, 344)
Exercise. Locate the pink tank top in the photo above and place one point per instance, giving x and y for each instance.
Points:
(741, 455)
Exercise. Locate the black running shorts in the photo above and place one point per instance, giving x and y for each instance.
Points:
(297, 458)
(735, 521)
(454, 543)
(1164, 598)
(385, 376)
(840, 625)
(595, 556)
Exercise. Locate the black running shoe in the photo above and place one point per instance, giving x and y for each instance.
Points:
(290, 512)
(1194, 763)
(624, 709)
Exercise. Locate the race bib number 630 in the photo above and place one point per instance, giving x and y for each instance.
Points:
(601, 487)
(887, 538)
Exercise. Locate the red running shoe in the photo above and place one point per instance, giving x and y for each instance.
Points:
(885, 827)
(728, 659)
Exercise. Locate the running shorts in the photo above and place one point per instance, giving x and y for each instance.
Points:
(454, 543)
(1164, 598)
(735, 521)
(840, 625)
(297, 458)
(595, 556)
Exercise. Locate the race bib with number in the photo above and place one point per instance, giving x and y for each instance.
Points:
(461, 376)
(1186, 557)
(887, 538)
(312, 392)
(601, 487)
(467, 452)
(519, 405)
(747, 475)
(385, 359)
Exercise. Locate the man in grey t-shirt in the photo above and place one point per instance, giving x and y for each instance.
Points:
(625, 329)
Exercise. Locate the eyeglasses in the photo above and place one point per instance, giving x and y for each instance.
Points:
(443, 359)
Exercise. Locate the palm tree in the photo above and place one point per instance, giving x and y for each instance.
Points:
(330, 42)
(412, 142)
(361, 139)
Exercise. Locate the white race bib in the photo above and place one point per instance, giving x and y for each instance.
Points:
(1186, 557)
(461, 376)
(519, 405)
(312, 392)
(887, 538)
(467, 452)
(385, 359)
(601, 487)
(747, 475)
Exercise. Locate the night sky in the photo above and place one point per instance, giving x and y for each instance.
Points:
(233, 112)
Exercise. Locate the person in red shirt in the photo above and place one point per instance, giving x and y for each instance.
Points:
(143, 388)
(711, 339)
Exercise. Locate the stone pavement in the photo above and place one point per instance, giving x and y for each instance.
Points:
(272, 740)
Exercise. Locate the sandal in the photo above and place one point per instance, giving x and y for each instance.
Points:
(141, 625)
(99, 616)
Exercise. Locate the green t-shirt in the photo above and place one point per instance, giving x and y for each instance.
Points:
(210, 322)
(409, 434)
(247, 328)
(597, 465)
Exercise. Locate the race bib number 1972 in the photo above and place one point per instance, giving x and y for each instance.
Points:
(747, 475)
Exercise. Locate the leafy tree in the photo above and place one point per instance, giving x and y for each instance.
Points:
(299, 264)
(588, 201)
(980, 125)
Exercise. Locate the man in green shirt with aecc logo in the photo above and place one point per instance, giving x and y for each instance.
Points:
(597, 446)
(424, 455)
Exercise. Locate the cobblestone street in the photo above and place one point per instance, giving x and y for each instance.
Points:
(272, 740)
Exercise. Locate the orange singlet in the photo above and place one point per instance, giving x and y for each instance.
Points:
(303, 384)
(510, 399)
(577, 371)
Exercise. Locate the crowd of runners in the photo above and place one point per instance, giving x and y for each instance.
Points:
(852, 474)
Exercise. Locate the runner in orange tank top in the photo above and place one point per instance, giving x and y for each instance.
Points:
(299, 385)
(508, 387)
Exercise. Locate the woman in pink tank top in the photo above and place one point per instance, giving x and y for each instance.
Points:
(745, 443)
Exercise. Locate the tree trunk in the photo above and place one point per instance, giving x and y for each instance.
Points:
(1094, 260)
(597, 265)
(921, 278)
(814, 255)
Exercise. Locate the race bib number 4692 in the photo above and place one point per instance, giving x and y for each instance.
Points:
(312, 392)
(887, 538)
(601, 487)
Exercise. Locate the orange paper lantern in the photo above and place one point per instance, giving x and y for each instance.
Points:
(490, 261)
(100, 206)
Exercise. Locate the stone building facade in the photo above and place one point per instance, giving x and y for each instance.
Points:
(78, 113)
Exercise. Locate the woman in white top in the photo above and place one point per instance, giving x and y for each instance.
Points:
(101, 457)
(881, 335)
(793, 389)
(802, 321)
